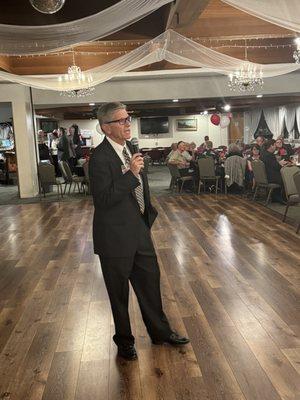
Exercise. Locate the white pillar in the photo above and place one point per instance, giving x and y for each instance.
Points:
(19, 96)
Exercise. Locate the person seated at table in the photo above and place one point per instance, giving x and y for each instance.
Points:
(207, 144)
(273, 168)
(181, 158)
(234, 150)
(254, 155)
(282, 150)
(173, 149)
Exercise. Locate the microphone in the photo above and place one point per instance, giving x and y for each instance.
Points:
(135, 145)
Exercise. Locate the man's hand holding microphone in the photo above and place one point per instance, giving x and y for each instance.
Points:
(137, 161)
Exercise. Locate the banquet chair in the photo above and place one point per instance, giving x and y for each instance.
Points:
(207, 172)
(47, 178)
(292, 196)
(72, 179)
(177, 179)
(261, 181)
(297, 184)
(235, 169)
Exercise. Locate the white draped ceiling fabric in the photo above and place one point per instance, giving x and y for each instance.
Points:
(25, 40)
(285, 13)
(169, 46)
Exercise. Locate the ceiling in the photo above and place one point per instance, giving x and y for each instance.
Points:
(209, 22)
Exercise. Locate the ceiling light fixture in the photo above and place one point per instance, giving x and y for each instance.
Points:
(92, 104)
(246, 79)
(175, 100)
(227, 107)
(205, 112)
(296, 54)
(76, 76)
(259, 96)
(47, 6)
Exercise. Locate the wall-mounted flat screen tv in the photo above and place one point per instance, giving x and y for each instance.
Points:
(154, 125)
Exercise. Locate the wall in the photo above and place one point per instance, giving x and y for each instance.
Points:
(205, 127)
(19, 96)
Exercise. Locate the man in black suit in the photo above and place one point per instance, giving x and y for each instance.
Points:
(273, 168)
(121, 231)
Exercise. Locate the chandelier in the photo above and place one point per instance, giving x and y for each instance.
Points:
(76, 76)
(296, 54)
(246, 79)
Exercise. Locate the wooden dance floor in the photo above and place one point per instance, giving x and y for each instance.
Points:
(230, 281)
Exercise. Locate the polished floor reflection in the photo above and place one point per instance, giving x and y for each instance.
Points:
(230, 281)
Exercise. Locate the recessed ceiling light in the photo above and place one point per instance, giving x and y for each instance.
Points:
(205, 112)
(91, 104)
(175, 100)
(227, 107)
(259, 95)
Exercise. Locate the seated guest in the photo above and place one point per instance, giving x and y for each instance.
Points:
(208, 144)
(234, 150)
(44, 152)
(181, 158)
(282, 151)
(255, 155)
(273, 167)
(173, 149)
(260, 140)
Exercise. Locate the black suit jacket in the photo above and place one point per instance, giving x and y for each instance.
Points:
(272, 167)
(118, 227)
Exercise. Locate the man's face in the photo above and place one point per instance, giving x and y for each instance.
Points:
(117, 132)
(272, 148)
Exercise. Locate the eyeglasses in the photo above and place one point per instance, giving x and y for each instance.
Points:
(121, 121)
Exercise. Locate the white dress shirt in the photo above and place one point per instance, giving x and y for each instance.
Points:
(119, 149)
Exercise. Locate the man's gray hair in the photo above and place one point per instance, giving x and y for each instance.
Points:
(106, 110)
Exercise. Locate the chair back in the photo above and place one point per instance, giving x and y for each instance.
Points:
(46, 174)
(62, 170)
(287, 174)
(85, 167)
(296, 178)
(259, 171)
(206, 167)
(68, 172)
(174, 171)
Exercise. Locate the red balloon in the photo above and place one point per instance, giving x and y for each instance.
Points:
(215, 119)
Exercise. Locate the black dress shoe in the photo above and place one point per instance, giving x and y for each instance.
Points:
(174, 339)
(127, 351)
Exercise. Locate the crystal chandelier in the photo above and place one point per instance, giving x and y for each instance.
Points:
(76, 76)
(296, 54)
(246, 79)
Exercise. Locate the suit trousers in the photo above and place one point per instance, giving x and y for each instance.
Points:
(143, 272)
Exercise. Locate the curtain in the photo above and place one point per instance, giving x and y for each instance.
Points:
(281, 118)
(18, 40)
(284, 13)
(170, 46)
(290, 115)
(298, 117)
(272, 120)
(251, 121)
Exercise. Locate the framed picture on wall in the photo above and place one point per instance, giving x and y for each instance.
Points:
(186, 124)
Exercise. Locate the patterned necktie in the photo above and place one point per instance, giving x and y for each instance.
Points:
(138, 191)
